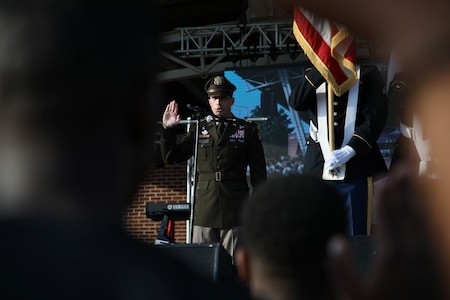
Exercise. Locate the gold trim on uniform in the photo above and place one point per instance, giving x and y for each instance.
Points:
(398, 83)
(370, 190)
(361, 138)
(310, 82)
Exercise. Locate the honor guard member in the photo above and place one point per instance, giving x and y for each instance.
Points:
(412, 143)
(358, 119)
(226, 147)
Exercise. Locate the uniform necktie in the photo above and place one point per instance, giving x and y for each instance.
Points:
(222, 127)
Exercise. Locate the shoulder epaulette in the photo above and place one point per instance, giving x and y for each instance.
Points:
(249, 121)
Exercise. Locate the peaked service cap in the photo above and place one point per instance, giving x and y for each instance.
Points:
(220, 85)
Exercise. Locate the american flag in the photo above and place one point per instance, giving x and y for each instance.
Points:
(330, 47)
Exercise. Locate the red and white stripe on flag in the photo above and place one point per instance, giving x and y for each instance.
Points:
(330, 47)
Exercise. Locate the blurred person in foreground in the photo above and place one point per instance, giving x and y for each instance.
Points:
(78, 96)
(286, 225)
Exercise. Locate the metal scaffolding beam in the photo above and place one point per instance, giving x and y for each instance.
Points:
(199, 50)
(202, 51)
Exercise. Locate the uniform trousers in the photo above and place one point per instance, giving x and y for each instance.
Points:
(357, 194)
(228, 238)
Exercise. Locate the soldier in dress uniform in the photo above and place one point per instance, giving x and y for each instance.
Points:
(360, 153)
(413, 144)
(222, 161)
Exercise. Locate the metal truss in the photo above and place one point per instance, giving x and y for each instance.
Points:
(200, 51)
(203, 49)
(251, 40)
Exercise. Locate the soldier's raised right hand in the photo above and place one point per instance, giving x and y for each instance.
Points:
(170, 116)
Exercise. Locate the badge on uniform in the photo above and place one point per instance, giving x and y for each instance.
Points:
(203, 137)
(239, 133)
(204, 131)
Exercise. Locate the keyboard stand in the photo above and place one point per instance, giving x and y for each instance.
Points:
(162, 238)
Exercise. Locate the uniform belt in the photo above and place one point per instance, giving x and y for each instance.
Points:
(222, 176)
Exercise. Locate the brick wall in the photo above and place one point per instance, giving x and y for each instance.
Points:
(161, 185)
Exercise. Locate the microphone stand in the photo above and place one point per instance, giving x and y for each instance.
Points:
(192, 173)
(191, 178)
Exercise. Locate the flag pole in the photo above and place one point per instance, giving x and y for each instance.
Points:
(339, 172)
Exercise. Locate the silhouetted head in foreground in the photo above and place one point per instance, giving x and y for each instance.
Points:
(286, 225)
(77, 86)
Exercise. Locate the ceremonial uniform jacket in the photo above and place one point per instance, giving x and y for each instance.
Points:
(412, 143)
(221, 181)
(371, 117)
(404, 146)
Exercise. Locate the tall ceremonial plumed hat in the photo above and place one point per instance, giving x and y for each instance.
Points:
(219, 85)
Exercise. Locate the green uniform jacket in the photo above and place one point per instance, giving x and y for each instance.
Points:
(221, 183)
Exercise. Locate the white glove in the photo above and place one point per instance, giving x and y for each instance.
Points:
(339, 157)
